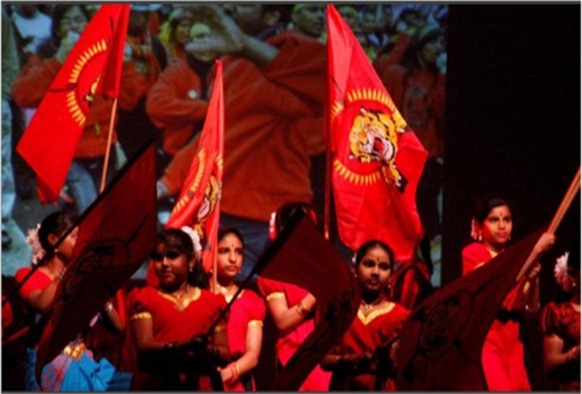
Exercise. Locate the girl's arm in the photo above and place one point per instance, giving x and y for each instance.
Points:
(554, 355)
(249, 360)
(288, 317)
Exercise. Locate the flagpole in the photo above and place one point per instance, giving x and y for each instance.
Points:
(565, 204)
(108, 147)
(557, 219)
(119, 295)
(327, 131)
(215, 269)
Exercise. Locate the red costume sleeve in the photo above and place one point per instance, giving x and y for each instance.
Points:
(549, 320)
(306, 78)
(38, 280)
(170, 101)
(473, 256)
(32, 84)
(177, 171)
(132, 88)
(175, 104)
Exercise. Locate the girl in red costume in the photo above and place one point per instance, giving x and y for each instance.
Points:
(503, 351)
(245, 323)
(361, 360)
(170, 321)
(292, 308)
(560, 323)
(75, 368)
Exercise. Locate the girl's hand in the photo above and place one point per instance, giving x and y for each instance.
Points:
(534, 271)
(545, 243)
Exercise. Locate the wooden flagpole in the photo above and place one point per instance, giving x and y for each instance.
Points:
(108, 147)
(119, 296)
(557, 219)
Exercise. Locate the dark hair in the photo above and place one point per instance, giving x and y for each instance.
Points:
(410, 58)
(181, 241)
(177, 239)
(176, 17)
(54, 224)
(49, 47)
(224, 231)
(366, 247)
(286, 212)
(485, 205)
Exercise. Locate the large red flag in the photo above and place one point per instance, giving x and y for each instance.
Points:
(302, 256)
(53, 134)
(199, 203)
(377, 159)
(116, 235)
(449, 328)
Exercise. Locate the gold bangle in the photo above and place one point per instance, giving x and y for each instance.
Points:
(234, 370)
(61, 274)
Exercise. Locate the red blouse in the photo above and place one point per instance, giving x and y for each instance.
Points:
(248, 310)
(174, 321)
(287, 344)
(368, 333)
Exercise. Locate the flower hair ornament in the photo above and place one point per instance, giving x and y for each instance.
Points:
(561, 268)
(195, 237)
(475, 233)
(38, 251)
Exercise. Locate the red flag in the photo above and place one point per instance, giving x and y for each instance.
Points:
(199, 203)
(330, 281)
(53, 134)
(116, 235)
(111, 75)
(377, 159)
(450, 327)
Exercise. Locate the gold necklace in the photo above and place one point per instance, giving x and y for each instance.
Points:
(226, 291)
(182, 294)
(368, 307)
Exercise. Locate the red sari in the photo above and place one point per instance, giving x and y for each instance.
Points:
(173, 321)
(318, 380)
(503, 351)
(248, 310)
(366, 334)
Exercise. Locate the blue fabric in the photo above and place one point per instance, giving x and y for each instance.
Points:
(30, 383)
(66, 374)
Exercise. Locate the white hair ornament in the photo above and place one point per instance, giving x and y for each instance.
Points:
(38, 251)
(561, 268)
(195, 237)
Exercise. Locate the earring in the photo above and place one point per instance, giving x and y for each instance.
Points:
(480, 237)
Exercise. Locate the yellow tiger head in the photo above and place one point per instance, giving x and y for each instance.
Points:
(373, 137)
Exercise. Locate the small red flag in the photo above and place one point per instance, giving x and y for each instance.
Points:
(49, 143)
(377, 160)
(198, 206)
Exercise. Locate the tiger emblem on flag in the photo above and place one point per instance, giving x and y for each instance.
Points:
(374, 138)
(209, 201)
